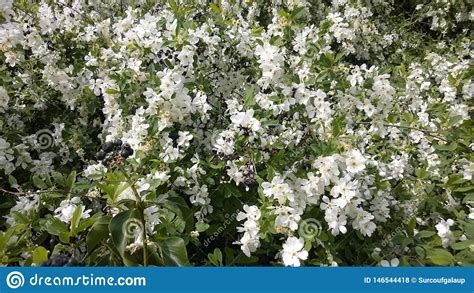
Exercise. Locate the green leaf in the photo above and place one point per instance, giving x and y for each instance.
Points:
(65, 237)
(111, 91)
(447, 147)
(201, 226)
(338, 125)
(468, 198)
(76, 218)
(464, 188)
(86, 223)
(469, 230)
(440, 257)
(173, 252)
(54, 226)
(249, 98)
(270, 173)
(455, 119)
(98, 232)
(178, 206)
(39, 254)
(462, 245)
(424, 234)
(420, 251)
(58, 178)
(297, 12)
(215, 8)
(12, 181)
(116, 230)
(216, 257)
(38, 182)
(71, 179)
(326, 59)
(173, 6)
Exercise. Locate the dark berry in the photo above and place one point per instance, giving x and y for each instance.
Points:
(100, 155)
(57, 260)
(117, 143)
(53, 242)
(126, 146)
(125, 153)
(71, 263)
(105, 161)
(108, 147)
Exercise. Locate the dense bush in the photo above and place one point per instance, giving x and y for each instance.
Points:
(284, 132)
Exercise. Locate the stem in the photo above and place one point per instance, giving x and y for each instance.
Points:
(140, 208)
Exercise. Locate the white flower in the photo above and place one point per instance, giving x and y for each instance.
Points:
(467, 171)
(246, 120)
(285, 218)
(471, 213)
(251, 213)
(347, 189)
(199, 195)
(363, 222)
(355, 161)
(162, 176)
(278, 189)
(293, 252)
(23, 205)
(367, 228)
(337, 224)
(393, 263)
(225, 142)
(328, 168)
(152, 217)
(271, 62)
(314, 186)
(6, 156)
(444, 231)
(4, 98)
(184, 138)
(66, 209)
(248, 244)
(95, 171)
(250, 240)
(186, 55)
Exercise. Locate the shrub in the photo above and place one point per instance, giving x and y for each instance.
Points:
(284, 132)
